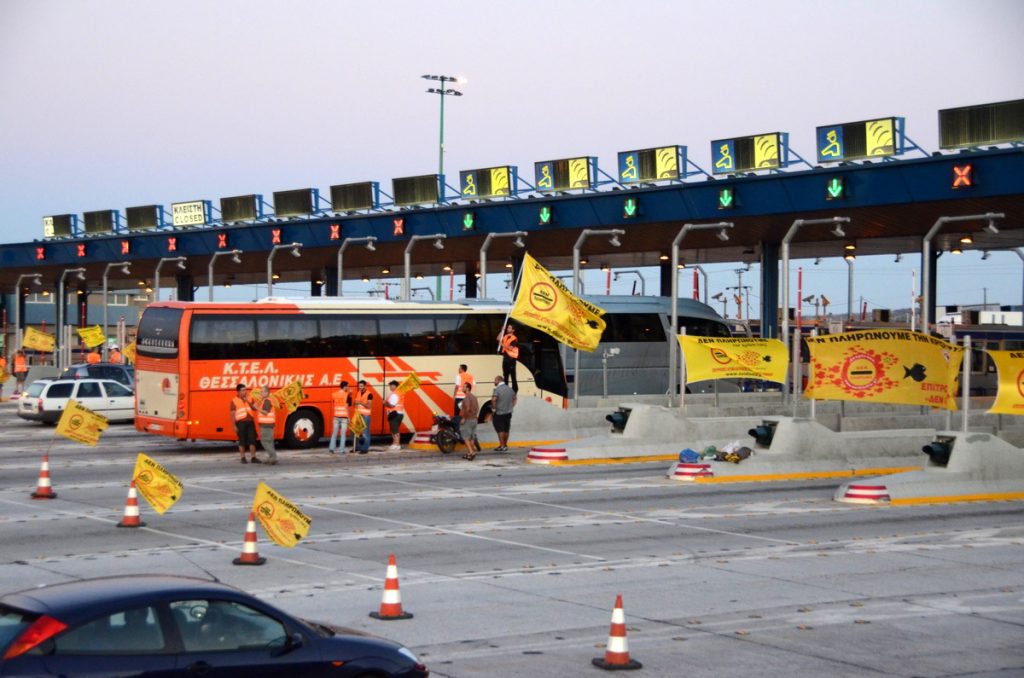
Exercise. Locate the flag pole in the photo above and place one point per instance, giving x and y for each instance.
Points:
(515, 289)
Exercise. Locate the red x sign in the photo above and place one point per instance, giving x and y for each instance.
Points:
(125, 246)
(399, 226)
(172, 244)
(81, 250)
(335, 231)
(40, 253)
(222, 240)
(275, 236)
(962, 176)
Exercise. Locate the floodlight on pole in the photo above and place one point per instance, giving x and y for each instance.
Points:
(80, 274)
(674, 348)
(443, 91)
(125, 270)
(926, 258)
(577, 289)
(369, 240)
(438, 244)
(235, 257)
(294, 247)
(156, 274)
(518, 242)
(837, 231)
(36, 280)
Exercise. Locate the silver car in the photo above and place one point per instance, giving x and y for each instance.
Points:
(45, 400)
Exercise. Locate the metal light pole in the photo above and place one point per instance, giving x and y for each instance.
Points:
(926, 259)
(438, 239)
(209, 268)
(156, 274)
(796, 226)
(294, 247)
(369, 240)
(643, 280)
(61, 348)
(36, 280)
(518, 235)
(576, 289)
(673, 349)
(849, 285)
(442, 92)
(125, 269)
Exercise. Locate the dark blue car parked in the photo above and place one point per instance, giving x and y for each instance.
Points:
(179, 626)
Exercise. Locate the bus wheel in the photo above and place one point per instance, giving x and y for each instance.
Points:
(303, 429)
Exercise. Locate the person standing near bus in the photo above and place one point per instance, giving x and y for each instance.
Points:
(3, 375)
(510, 353)
(502, 403)
(461, 379)
(266, 416)
(363, 400)
(115, 355)
(93, 357)
(469, 412)
(341, 402)
(20, 370)
(245, 424)
(394, 406)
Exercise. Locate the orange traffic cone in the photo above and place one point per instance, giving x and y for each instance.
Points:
(131, 509)
(250, 556)
(616, 654)
(391, 602)
(44, 490)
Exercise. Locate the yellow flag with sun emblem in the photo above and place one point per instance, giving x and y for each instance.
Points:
(1010, 397)
(740, 358)
(884, 366)
(410, 383)
(544, 303)
(282, 520)
(156, 484)
(81, 424)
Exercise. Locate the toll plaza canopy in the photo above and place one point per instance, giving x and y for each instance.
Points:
(891, 206)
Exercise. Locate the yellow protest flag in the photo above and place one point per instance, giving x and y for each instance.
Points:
(357, 424)
(129, 353)
(156, 484)
(282, 520)
(38, 341)
(884, 366)
(410, 383)
(81, 424)
(1010, 396)
(290, 396)
(739, 358)
(91, 336)
(544, 303)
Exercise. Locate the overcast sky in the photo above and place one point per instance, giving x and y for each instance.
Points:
(108, 104)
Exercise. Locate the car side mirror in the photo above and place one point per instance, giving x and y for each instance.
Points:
(292, 642)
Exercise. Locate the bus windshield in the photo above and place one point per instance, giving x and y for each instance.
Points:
(158, 333)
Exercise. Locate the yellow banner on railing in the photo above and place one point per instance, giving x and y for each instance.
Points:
(884, 366)
(739, 358)
(1010, 396)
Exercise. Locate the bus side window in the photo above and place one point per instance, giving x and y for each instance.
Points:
(447, 342)
(287, 337)
(346, 336)
(406, 335)
(221, 337)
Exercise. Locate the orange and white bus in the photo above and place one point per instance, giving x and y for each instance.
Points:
(191, 355)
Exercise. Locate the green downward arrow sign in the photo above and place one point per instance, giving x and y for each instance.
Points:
(835, 187)
(629, 209)
(467, 221)
(725, 197)
(545, 216)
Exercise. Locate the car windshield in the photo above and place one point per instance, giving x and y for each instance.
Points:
(35, 388)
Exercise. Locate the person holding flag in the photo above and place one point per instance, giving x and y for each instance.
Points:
(266, 416)
(341, 401)
(245, 424)
(510, 354)
(363, 401)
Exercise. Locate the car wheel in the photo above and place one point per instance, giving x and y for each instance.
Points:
(303, 428)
